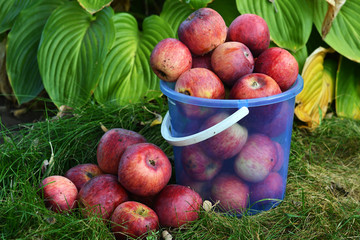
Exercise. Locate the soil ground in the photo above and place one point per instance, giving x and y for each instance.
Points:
(12, 115)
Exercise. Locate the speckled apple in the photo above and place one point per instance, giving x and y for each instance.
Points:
(144, 169)
(200, 82)
(272, 187)
(59, 193)
(254, 85)
(197, 164)
(256, 159)
(101, 195)
(202, 61)
(227, 143)
(232, 60)
(251, 30)
(112, 145)
(176, 205)
(202, 31)
(169, 59)
(279, 64)
(231, 191)
(133, 219)
(82, 173)
(280, 157)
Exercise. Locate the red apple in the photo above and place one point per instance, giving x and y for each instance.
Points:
(201, 187)
(101, 195)
(232, 60)
(271, 188)
(280, 157)
(197, 164)
(144, 169)
(251, 30)
(227, 143)
(112, 145)
(59, 193)
(279, 64)
(203, 61)
(169, 59)
(176, 205)
(254, 85)
(231, 191)
(277, 122)
(82, 173)
(148, 201)
(203, 31)
(257, 158)
(133, 219)
(200, 82)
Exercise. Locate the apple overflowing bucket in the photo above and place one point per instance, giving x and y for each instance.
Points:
(231, 104)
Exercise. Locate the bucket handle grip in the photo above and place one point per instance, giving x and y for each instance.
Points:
(203, 135)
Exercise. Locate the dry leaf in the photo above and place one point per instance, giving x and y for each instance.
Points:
(18, 112)
(334, 7)
(156, 121)
(318, 92)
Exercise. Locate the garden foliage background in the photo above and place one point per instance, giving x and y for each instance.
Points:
(81, 51)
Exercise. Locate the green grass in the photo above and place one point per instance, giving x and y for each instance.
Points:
(322, 195)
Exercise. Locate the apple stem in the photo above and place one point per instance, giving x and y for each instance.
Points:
(152, 162)
(141, 211)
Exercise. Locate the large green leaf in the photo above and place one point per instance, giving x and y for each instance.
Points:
(9, 9)
(226, 8)
(196, 4)
(344, 35)
(23, 41)
(93, 6)
(127, 75)
(175, 12)
(347, 90)
(289, 22)
(72, 50)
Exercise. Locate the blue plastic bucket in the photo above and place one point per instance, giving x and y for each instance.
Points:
(233, 152)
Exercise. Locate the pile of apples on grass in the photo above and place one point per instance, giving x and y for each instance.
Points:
(130, 184)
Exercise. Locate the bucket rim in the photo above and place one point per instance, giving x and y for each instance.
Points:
(167, 88)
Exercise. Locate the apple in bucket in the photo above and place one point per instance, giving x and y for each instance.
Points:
(232, 60)
(256, 159)
(197, 164)
(280, 157)
(202, 61)
(279, 64)
(227, 143)
(251, 30)
(169, 59)
(202, 31)
(59, 193)
(144, 169)
(133, 219)
(254, 85)
(231, 191)
(199, 82)
(269, 191)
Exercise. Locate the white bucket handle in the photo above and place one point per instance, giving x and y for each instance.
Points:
(203, 135)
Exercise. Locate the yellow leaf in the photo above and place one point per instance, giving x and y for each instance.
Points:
(313, 101)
